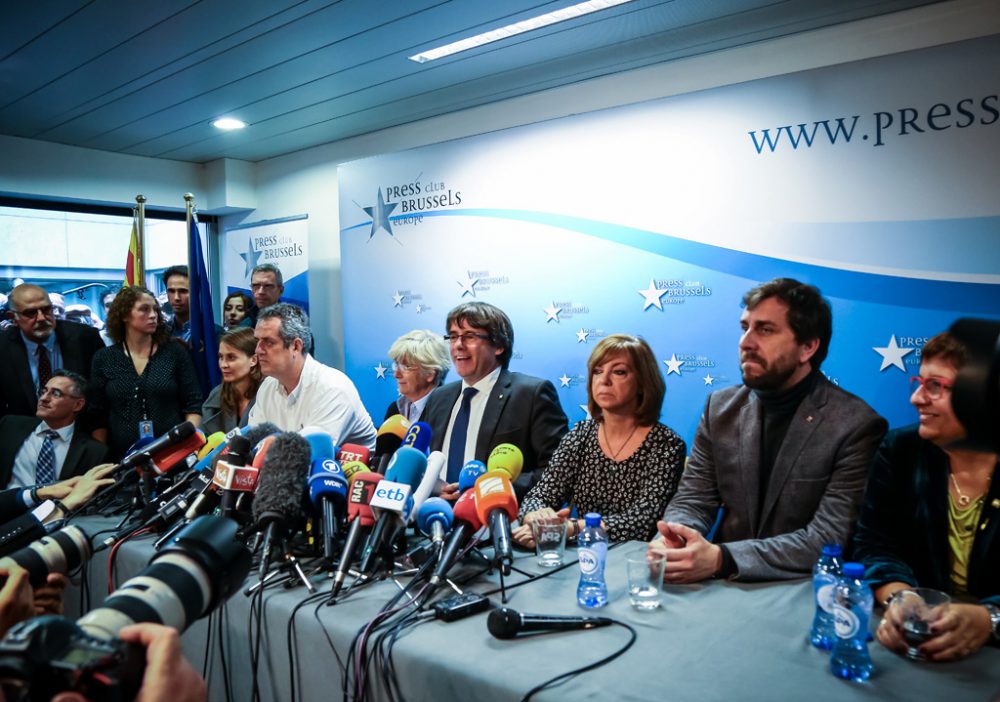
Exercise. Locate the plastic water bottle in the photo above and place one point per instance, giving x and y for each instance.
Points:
(592, 552)
(852, 609)
(826, 574)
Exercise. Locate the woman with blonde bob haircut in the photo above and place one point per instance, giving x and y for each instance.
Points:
(420, 361)
(621, 463)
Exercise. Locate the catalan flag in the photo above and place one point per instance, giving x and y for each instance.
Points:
(135, 272)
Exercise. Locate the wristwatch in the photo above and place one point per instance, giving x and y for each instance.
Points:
(994, 619)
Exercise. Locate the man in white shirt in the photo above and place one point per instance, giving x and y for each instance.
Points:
(298, 391)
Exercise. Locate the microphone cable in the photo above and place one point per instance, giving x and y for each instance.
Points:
(583, 669)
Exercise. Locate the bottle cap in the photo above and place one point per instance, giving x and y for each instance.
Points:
(854, 570)
(832, 550)
(592, 519)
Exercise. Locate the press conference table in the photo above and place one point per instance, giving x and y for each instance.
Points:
(714, 641)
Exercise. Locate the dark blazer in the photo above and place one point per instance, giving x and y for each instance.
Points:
(77, 343)
(902, 535)
(84, 453)
(522, 410)
(816, 484)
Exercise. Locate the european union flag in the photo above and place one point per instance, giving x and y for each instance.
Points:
(204, 345)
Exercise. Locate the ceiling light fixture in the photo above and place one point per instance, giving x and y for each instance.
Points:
(567, 13)
(228, 123)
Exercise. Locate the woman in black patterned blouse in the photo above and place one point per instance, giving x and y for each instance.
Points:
(622, 463)
(146, 381)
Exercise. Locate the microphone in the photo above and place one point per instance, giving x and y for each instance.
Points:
(320, 443)
(506, 623)
(419, 437)
(388, 439)
(225, 471)
(470, 474)
(434, 519)
(145, 454)
(277, 506)
(429, 483)
(496, 504)
(328, 493)
(211, 441)
(392, 498)
(163, 462)
(353, 452)
(507, 458)
(466, 523)
(352, 468)
(362, 519)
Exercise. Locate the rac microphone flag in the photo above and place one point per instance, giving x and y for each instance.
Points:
(203, 342)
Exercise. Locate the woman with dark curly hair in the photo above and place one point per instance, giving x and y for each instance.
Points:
(622, 463)
(228, 405)
(145, 383)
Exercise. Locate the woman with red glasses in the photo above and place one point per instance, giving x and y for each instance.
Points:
(931, 518)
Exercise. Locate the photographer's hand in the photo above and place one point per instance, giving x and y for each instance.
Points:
(16, 598)
(168, 677)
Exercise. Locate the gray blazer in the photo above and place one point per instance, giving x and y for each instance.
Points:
(816, 484)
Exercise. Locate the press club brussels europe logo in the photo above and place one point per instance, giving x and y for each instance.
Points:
(404, 204)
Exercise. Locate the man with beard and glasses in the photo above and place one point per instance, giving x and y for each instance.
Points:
(784, 455)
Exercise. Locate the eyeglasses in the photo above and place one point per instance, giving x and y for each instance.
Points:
(263, 286)
(404, 368)
(32, 312)
(932, 386)
(57, 393)
(467, 338)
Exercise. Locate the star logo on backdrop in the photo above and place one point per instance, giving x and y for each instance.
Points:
(250, 258)
(585, 410)
(892, 355)
(652, 295)
(419, 308)
(380, 215)
(708, 379)
(468, 285)
(581, 336)
(380, 371)
(397, 300)
(552, 312)
(564, 379)
(673, 365)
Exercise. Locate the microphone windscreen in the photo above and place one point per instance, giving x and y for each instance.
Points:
(211, 441)
(390, 435)
(282, 480)
(507, 458)
(326, 480)
(239, 450)
(320, 443)
(494, 491)
(360, 495)
(434, 509)
(172, 456)
(407, 466)
(351, 468)
(261, 449)
(257, 432)
(470, 474)
(419, 437)
(465, 510)
(353, 452)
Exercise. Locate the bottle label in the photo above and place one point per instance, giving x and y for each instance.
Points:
(846, 622)
(592, 558)
(824, 596)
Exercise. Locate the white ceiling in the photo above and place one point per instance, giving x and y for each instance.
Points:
(147, 77)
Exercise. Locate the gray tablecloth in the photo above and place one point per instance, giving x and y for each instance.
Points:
(714, 641)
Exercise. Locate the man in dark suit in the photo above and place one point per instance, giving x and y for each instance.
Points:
(49, 446)
(785, 455)
(491, 405)
(35, 345)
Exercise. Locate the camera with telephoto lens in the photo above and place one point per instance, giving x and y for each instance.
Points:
(191, 575)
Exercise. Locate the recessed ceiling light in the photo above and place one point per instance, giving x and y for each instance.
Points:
(571, 12)
(228, 123)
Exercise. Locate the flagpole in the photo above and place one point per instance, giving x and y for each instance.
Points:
(189, 207)
(140, 242)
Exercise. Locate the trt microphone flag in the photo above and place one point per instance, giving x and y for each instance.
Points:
(203, 341)
(135, 273)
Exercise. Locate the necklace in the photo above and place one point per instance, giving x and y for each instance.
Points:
(614, 454)
(963, 499)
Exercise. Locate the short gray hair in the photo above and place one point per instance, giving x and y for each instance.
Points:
(294, 323)
(79, 386)
(424, 348)
(279, 280)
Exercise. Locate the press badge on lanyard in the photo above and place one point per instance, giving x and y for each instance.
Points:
(145, 425)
